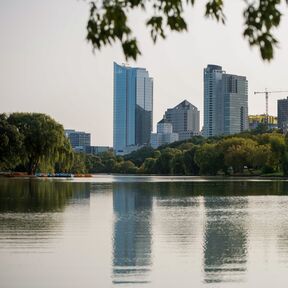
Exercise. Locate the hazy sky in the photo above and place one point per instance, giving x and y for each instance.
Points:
(47, 66)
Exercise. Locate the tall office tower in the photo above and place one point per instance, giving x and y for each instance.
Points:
(185, 119)
(225, 102)
(282, 113)
(133, 108)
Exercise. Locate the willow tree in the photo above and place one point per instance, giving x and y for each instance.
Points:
(43, 139)
(10, 144)
(65, 157)
(109, 21)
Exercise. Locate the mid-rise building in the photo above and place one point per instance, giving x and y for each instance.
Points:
(78, 139)
(96, 150)
(133, 108)
(282, 113)
(164, 135)
(225, 102)
(256, 120)
(68, 131)
(185, 119)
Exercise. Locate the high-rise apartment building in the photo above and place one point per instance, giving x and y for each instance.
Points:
(225, 102)
(282, 113)
(133, 108)
(185, 119)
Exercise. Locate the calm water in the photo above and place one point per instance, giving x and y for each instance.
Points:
(143, 232)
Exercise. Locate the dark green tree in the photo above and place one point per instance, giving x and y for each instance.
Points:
(94, 164)
(191, 167)
(10, 144)
(238, 156)
(178, 165)
(65, 157)
(261, 157)
(208, 158)
(236, 152)
(148, 167)
(285, 164)
(43, 138)
(108, 22)
(285, 158)
(138, 157)
(278, 147)
(127, 167)
(79, 165)
(110, 165)
(164, 164)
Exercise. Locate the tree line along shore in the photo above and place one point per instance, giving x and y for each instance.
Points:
(36, 143)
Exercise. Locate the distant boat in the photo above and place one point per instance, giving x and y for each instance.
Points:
(58, 175)
(64, 175)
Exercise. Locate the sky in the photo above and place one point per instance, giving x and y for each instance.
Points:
(47, 66)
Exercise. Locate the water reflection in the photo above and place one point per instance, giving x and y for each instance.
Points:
(187, 234)
(29, 212)
(132, 207)
(217, 188)
(225, 238)
(32, 195)
(282, 235)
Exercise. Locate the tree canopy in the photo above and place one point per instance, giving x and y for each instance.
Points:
(108, 22)
(31, 139)
(248, 153)
(10, 144)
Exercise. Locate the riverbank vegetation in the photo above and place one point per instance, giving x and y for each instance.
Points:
(34, 142)
(247, 153)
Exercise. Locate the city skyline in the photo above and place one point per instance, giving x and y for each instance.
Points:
(49, 66)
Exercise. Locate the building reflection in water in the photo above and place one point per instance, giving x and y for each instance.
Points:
(132, 205)
(225, 239)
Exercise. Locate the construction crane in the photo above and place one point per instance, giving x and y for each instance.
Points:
(266, 92)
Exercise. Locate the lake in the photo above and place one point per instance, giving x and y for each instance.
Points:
(133, 231)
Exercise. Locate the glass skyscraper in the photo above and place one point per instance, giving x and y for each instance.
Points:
(225, 102)
(133, 108)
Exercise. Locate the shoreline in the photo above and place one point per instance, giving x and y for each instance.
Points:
(21, 175)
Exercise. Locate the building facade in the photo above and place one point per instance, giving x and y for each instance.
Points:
(78, 139)
(225, 102)
(133, 108)
(185, 119)
(256, 120)
(282, 113)
(164, 135)
(96, 150)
